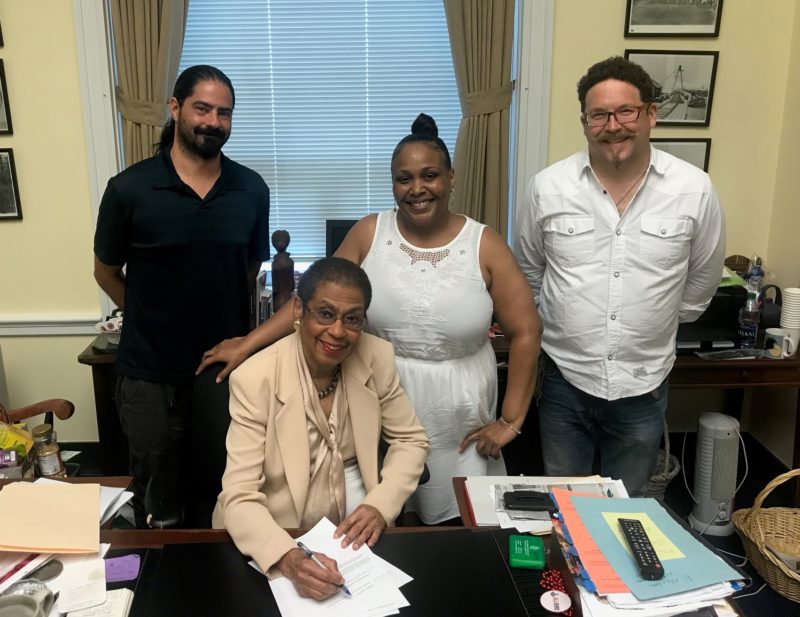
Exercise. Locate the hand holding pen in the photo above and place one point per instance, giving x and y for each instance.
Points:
(308, 553)
(313, 575)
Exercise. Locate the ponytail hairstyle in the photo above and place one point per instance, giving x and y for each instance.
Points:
(184, 87)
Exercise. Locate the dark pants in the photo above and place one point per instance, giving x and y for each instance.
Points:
(155, 418)
(577, 427)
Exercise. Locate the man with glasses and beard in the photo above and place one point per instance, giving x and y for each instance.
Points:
(620, 243)
(191, 229)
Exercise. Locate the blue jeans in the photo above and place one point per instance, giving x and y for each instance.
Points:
(576, 427)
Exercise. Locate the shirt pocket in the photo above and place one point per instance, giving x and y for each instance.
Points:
(570, 239)
(664, 241)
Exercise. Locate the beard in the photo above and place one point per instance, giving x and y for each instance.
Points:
(203, 142)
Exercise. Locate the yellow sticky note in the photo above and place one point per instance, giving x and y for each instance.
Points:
(663, 546)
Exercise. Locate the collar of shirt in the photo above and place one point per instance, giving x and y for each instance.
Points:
(167, 178)
(658, 163)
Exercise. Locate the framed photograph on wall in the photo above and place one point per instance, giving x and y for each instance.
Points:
(694, 150)
(10, 208)
(684, 83)
(672, 18)
(5, 110)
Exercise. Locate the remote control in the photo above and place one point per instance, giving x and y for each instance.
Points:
(649, 566)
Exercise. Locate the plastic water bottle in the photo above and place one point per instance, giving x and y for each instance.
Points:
(749, 315)
(754, 278)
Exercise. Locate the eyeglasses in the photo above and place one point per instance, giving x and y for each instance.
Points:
(623, 115)
(326, 317)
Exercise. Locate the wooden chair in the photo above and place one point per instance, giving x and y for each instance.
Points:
(62, 408)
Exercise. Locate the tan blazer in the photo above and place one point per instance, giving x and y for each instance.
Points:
(266, 480)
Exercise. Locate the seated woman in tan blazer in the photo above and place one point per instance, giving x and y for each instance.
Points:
(306, 417)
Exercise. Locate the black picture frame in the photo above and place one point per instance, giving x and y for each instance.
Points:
(684, 83)
(10, 206)
(694, 150)
(656, 18)
(6, 128)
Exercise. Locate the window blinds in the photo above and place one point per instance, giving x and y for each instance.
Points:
(324, 91)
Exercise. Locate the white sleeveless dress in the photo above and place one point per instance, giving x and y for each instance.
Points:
(433, 305)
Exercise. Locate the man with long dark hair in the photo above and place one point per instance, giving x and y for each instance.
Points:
(190, 226)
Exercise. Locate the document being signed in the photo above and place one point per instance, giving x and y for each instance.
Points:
(373, 581)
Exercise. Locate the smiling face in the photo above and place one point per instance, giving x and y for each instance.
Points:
(203, 120)
(326, 346)
(615, 145)
(421, 183)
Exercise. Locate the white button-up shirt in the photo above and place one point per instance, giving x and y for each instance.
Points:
(611, 289)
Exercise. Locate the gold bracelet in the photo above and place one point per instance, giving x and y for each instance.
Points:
(505, 422)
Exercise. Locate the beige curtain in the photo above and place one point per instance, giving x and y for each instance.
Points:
(148, 39)
(481, 37)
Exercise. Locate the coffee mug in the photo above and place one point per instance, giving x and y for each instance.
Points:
(779, 343)
(26, 598)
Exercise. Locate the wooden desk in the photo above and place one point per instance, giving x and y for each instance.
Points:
(113, 443)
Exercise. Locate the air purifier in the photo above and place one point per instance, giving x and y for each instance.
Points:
(715, 474)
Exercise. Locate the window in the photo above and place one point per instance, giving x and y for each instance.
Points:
(324, 91)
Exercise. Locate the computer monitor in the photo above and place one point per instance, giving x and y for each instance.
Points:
(335, 231)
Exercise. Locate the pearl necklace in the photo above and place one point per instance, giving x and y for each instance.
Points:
(332, 384)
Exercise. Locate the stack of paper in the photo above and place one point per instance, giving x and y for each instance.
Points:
(53, 520)
(49, 518)
(484, 494)
(608, 576)
(373, 581)
(111, 498)
(117, 604)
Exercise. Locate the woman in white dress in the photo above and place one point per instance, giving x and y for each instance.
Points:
(438, 278)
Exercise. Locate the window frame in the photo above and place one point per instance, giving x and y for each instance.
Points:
(529, 114)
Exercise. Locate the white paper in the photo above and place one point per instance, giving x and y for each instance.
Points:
(372, 581)
(118, 604)
(83, 585)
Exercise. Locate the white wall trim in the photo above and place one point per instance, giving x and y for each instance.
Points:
(48, 325)
(531, 112)
(99, 108)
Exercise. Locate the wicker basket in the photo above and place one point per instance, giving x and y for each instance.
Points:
(667, 467)
(780, 529)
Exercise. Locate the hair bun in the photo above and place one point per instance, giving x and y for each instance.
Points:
(424, 124)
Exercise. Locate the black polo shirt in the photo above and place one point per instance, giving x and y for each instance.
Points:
(186, 285)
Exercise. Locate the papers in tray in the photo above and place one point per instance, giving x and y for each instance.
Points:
(688, 564)
(373, 581)
(608, 579)
(488, 509)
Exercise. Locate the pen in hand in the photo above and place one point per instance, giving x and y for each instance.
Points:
(307, 552)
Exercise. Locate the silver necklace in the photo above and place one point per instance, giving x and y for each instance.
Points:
(332, 384)
(630, 188)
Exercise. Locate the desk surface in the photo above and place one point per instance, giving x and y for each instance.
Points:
(456, 571)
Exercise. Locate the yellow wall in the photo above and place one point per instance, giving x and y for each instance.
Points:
(782, 256)
(47, 257)
(755, 150)
(747, 113)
